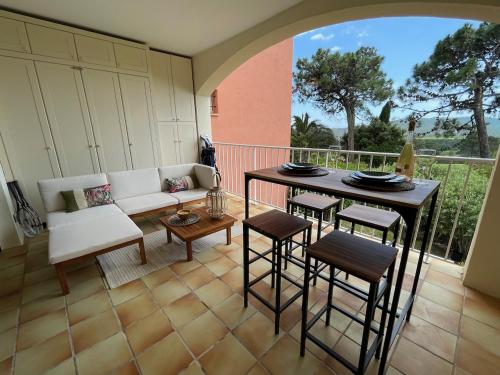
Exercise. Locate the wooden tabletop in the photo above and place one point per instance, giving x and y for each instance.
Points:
(332, 184)
(206, 225)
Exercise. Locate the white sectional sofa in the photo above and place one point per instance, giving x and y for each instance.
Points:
(78, 235)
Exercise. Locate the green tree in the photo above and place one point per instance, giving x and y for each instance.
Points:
(337, 82)
(460, 75)
(311, 133)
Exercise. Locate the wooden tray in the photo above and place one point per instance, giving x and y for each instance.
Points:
(312, 173)
(402, 186)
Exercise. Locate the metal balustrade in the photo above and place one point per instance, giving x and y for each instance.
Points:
(455, 174)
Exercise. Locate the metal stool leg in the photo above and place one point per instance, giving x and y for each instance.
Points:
(370, 310)
(304, 236)
(384, 236)
(246, 265)
(305, 301)
(383, 318)
(277, 312)
(330, 295)
(352, 228)
(318, 237)
(273, 264)
(396, 232)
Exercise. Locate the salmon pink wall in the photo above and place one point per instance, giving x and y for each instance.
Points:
(254, 102)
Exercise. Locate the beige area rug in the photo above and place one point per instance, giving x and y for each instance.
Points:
(124, 265)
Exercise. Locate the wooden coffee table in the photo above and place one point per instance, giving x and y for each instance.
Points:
(205, 226)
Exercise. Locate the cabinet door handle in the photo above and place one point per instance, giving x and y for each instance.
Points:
(48, 148)
(90, 146)
(130, 144)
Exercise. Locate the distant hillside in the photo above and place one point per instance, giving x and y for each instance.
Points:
(426, 124)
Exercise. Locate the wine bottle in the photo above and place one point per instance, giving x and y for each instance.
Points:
(406, 160)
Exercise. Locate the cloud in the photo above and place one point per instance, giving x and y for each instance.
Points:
(311, 31)
(321, 36)
(335, 49)
(362, 34)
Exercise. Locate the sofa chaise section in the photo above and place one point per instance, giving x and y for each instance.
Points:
(202, 175)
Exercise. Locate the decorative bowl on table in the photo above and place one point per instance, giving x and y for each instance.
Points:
(302, 170)
(374, 177)
(184, 214)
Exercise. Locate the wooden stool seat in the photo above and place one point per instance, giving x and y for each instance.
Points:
(369, 216)
(355, 255)
(314, 202)
(277, 225)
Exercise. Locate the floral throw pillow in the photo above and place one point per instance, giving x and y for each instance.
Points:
(179, 184)
(99, 195)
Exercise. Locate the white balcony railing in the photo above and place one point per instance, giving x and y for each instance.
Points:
(463, 185)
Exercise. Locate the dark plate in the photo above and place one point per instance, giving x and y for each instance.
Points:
(372, 175)
(301, 166)
(395, 180)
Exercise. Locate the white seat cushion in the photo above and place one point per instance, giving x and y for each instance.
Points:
(190, 195)
(59, 218)
(75, 240)
(145, 203)
(126, 184)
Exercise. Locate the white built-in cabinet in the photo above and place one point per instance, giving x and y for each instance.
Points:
(74, 102)
(28, 153)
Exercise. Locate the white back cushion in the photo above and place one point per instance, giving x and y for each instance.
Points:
(175, 171)
(50, 190)
(126, 184)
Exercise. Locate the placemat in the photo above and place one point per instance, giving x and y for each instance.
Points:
(314, 173)
(403, 186)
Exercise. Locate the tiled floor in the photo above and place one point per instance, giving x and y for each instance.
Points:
(189, 318)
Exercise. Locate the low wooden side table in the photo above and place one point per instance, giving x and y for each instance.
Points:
(205, 226)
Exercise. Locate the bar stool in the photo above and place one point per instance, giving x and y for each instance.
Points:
(366, 260)
(371, 217)
(315, 203)
(279, 227)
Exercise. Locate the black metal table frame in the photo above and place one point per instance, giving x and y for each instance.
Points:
(409, 215)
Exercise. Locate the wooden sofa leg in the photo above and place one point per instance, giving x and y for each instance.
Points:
(142, 251)
(62, 278)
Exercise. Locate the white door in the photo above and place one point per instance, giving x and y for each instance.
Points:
(137, 105)
(183, 88)
(51, 42)
(162, 87)
(24, 128)
(13, 35)
(169, 143)
(188, 142)
(102, 90)
(64, 98)
(131, 58)
(95, 51)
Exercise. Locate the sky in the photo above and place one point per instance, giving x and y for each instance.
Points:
(403, 41)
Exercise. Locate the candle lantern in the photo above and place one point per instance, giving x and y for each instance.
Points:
(216, 200)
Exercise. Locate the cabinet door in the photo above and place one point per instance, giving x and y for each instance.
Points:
(183, 88)
(13, 35)
(64, 98)
(188, 142)
(163, 90)
(131, 58)
(24, 128)
(102, 90)
(169, 143)
(95, 51)
(51, 42)
(136, 97)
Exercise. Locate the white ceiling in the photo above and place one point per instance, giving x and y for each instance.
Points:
(181, 26)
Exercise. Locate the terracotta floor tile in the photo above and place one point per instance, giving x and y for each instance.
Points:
(448, 268)
(8, 319)
(258, 369)
(10, 302)
(185, 310)
(42, 274)
(486, 337)
(147, 331)
(430, 337)
(66, 367)
(214, 293)
(84, 290)
(441, 296)
(136, 308)
(257, 334)
(94, 329)
(169, 356)
(208, 255)
(349, 350)
(193, 369)
(221, 265)
(46, 289)
(473, 359)
(327, 334)
(198, 277)
(82, 274)
(235, 255)
(485, 309)
(203, 332)
(40, 329)
(436, 314)
(7, 343)
(283, 358)
(158, 277)
(44, 356)
(104, 356)
(128, 291)
(180, 268)
(128, 369)
(234, 279)
(223, 248)
(227, 357)
(232, 312)
(289, 317)
(410, 359)
(6, 366)
(445, 281)
(7, 262)
(42, 306)
(88, 307)
(169, 292)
